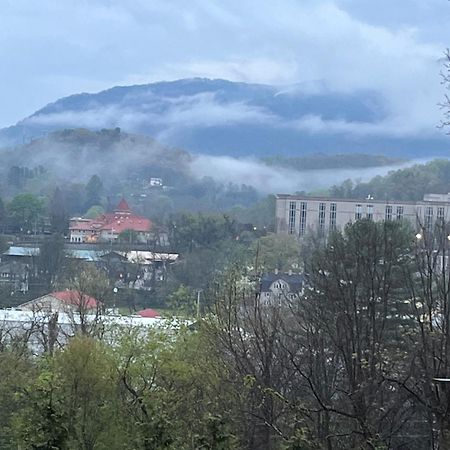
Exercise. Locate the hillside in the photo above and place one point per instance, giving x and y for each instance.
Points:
(219, 117)
(410, 183)
(76, 154)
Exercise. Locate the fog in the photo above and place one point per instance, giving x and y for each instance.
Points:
(267, 180)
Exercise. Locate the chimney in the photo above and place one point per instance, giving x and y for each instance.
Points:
(276, 271)
(290, 272)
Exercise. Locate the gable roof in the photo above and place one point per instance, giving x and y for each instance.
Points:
(149, 313)
(115, 222)
(123, 206)
(75, 298)
(295, 281)
(22, 251)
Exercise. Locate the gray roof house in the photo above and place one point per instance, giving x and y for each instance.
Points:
(278, 288)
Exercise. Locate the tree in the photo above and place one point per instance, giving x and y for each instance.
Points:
(251, 340)
(94, 211)
(88, 282)
(351, 335)
(94, 190)
(171, 392)
(26, 210)
(446, 82)
(58, 212)
(428, 286)
(275, 251)
(2, 214)
(128, 237)
(51, 261)
(72, 402)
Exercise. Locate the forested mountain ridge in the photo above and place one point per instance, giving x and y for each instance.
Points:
(411, 183)
(230, 118)
(79, 153)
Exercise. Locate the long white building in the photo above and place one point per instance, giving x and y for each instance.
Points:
(296, 214)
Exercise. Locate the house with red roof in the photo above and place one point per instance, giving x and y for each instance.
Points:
(149, 313)
(62, 301)
(107, 227)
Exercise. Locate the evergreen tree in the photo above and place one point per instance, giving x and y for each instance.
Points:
(94, 190)
(58, 212)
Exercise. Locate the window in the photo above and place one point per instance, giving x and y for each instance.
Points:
(441, 213)
(429, 218)
(399, 213)
(322, 212)
(303, 209)
(292, 207)
(388, 212)
(369, 211)
(358, 211)
(333, 214)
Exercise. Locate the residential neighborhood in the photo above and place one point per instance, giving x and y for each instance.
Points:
(225, 225)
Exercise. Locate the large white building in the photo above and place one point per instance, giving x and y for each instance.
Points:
(296, 214)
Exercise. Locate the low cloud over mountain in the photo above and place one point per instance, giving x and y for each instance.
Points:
(219, 117)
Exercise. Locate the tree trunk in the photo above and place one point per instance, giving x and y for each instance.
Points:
(444, 435)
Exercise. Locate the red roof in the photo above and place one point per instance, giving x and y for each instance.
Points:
(120, 220)
(76, 298)
(123, 206)
(149, 313)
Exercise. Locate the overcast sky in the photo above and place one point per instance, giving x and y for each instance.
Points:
(54, 48)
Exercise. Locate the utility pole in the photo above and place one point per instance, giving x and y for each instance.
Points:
(198, 303)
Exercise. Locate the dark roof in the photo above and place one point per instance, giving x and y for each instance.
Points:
(295, 280)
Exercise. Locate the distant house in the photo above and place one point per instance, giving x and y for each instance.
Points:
(280, 288)
(20, 254)
(15, 274)
(44, 331)
(62, 302)
(108, 227)
(149, 313)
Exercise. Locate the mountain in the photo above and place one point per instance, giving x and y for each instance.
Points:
(76, 154)
(219, 117)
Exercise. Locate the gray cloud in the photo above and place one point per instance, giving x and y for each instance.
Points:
(269, 180)
(52, 49)
(201, 110)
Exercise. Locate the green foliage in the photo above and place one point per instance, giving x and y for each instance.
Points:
(183, 299)
(261, 215)
(189, 231)
(94, 211)
(128, 237)
(71, 404)
(26, 210)
(275, 251)
(404, 184)
(94, 191)
(51, 261)
(337, 161)
(59, 216)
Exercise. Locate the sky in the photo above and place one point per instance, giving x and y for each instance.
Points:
(54, 48)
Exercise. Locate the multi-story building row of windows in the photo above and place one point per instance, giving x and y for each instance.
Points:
(296, 214)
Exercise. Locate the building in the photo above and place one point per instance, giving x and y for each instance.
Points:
(296, 214)
(42, 331)
(279, 288)
(62, 302)
(149, 313)
(14, 275)
(108, 227)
